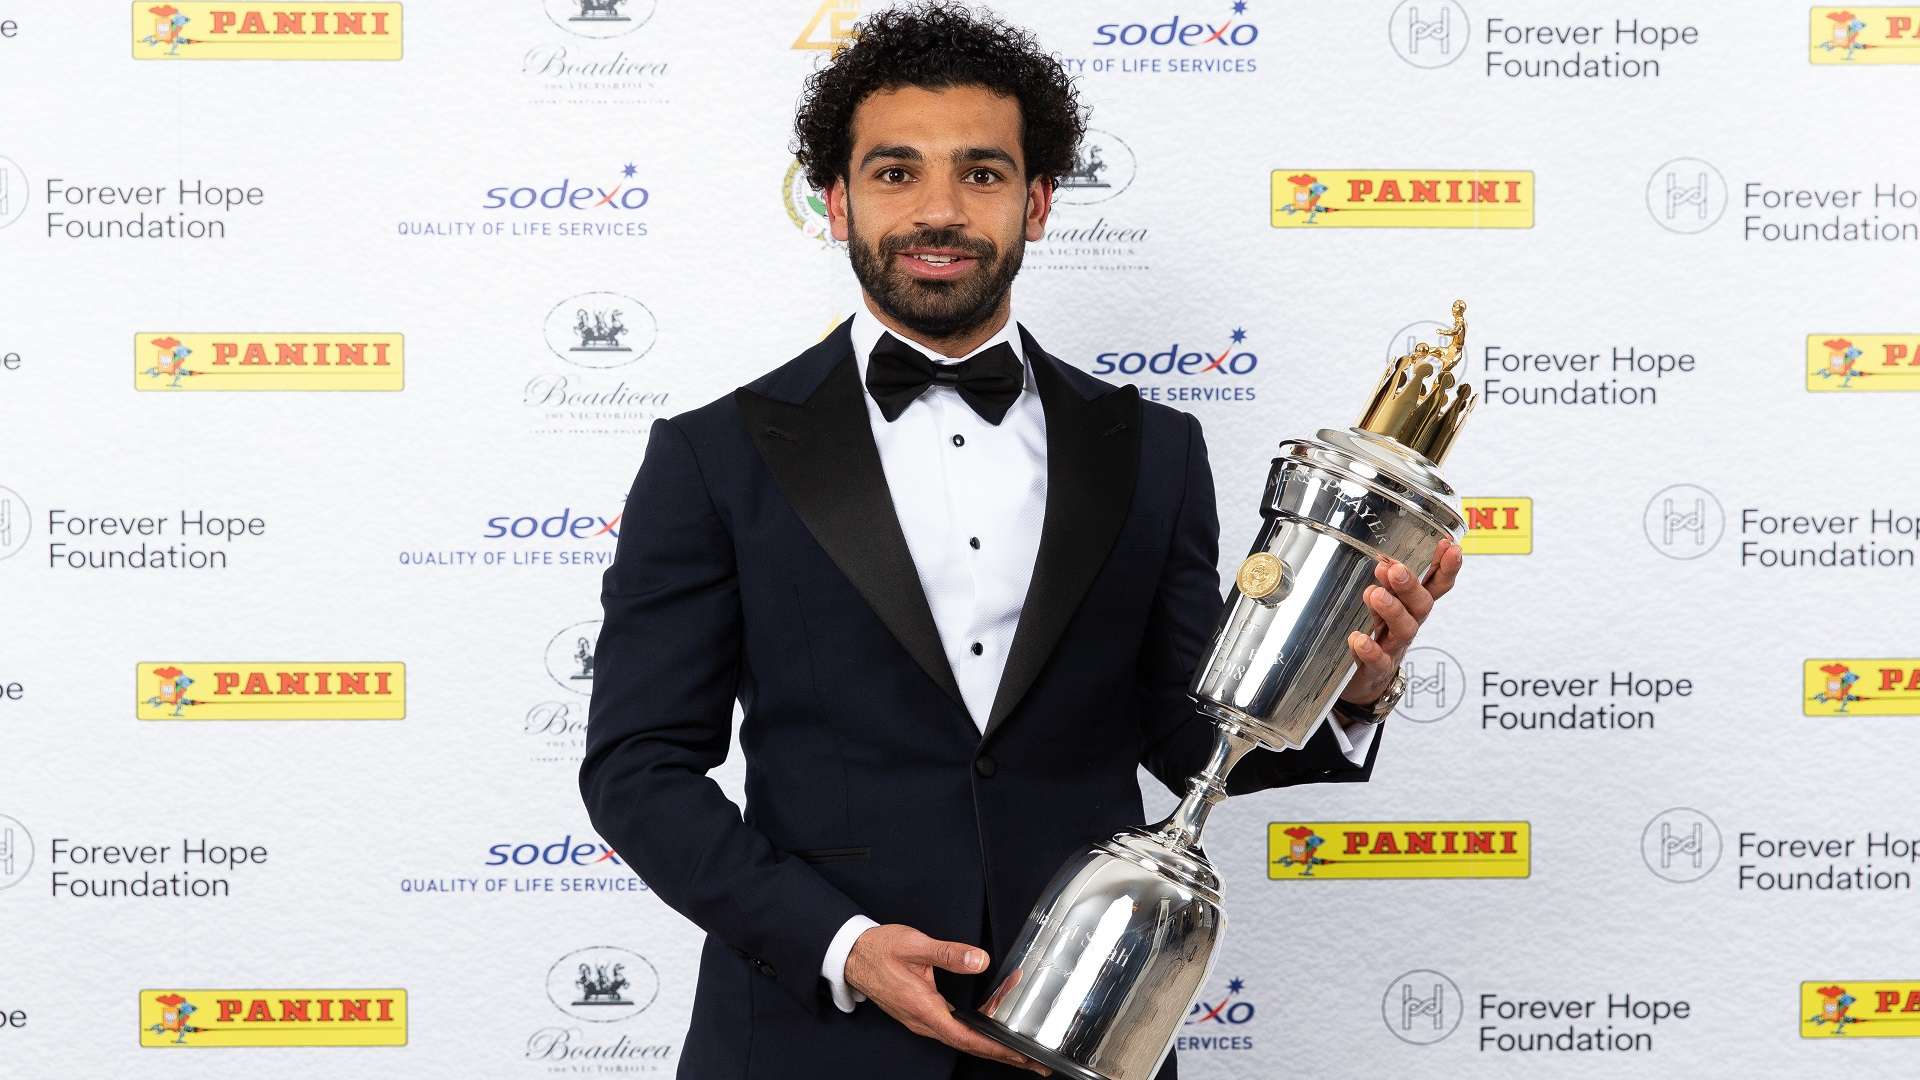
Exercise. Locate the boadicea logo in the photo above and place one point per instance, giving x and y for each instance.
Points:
(167, 361)
(830, 27)
(218, 1019)
(239, 30)
(1403, 199)
(1884, 687)
(1857, 362)
(1399, 849)
(272, 690)
(1864, 35)
(1498, 525)
(1860, 1008)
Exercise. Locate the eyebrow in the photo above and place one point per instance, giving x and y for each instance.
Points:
(967, 155)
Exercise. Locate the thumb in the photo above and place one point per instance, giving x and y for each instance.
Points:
(946, 955)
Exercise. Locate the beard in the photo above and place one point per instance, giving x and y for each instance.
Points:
(934, 309)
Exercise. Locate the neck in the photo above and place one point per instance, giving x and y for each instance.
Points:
(956, 345)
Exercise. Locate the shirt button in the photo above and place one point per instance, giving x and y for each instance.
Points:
(983, 765)
(959, 440)
(978, 648)
(973, 542)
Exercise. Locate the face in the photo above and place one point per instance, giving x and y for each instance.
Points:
(935, 208)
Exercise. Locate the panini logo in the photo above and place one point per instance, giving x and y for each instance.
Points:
(1868, 35)
(1883, 687)
(1403, 199)
(1498, 526)
(278, 690)
(1399, 849)
(171, 362)
(256, 31)
(1860, 1008)
(1856, 362)
(215, 1019)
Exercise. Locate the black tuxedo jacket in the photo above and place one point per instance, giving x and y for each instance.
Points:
(760, 558)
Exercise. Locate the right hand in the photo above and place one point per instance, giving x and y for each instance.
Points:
(893, 965)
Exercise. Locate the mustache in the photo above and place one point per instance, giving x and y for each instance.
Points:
(938, 238)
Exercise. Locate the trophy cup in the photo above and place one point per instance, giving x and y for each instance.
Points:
(1124, 935)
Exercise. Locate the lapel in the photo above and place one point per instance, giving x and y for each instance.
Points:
(809, 422)
(1093, 459)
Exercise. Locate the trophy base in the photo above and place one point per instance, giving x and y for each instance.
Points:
(1006, 1036)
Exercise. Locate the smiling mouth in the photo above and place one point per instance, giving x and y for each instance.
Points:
(932, 259)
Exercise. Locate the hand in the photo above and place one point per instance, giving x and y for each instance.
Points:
(1400, 605)
(893, 965)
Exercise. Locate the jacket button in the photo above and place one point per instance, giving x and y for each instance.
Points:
(983, 765)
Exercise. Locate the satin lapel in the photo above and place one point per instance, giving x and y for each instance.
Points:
(1093, 459)
(823, 458)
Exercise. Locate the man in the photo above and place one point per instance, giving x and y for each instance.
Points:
(957, 585)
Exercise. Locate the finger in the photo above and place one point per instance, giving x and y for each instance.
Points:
(1394, 614)
(961, 1037)
(946, 955)
(1375, 661)
(1447, 560)
(1412, 593)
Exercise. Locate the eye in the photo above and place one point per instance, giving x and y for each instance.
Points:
(893, 174)
(983, 175)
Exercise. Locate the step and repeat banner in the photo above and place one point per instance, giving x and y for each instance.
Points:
(330, 336)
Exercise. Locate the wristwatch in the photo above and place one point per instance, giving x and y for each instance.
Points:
(1381, 706)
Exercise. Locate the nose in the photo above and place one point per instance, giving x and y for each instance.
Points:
(939, 206)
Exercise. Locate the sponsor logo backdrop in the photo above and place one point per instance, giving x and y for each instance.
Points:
(299, 626)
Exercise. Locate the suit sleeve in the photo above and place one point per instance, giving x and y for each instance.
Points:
(666, 672)
(1175, 737)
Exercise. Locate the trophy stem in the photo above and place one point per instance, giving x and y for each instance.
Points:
(1181, 831)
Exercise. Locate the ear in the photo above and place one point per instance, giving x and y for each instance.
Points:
(837, 208)
(1039, 205)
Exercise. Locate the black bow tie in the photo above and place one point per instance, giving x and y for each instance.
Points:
(989, 381)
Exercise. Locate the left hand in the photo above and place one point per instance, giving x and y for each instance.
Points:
(1400, 605)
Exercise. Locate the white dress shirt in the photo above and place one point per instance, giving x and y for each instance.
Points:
(971, 497)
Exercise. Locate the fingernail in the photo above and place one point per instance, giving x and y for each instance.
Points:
(1400, 576)
(976, 961)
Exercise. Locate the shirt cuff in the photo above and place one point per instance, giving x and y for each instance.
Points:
(1354, 736)
(833, 967)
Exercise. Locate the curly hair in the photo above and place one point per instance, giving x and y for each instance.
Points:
(932, 46)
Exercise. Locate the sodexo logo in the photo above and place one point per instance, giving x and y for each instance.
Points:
(569, 194)
(562, 852)
(1183, 31)
(1175, 360)
(561, 526)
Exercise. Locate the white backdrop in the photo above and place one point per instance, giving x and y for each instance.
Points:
(385, 503)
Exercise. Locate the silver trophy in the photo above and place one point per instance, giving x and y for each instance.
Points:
(1125, 934)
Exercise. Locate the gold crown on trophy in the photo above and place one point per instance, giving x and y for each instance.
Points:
(1420, 402)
